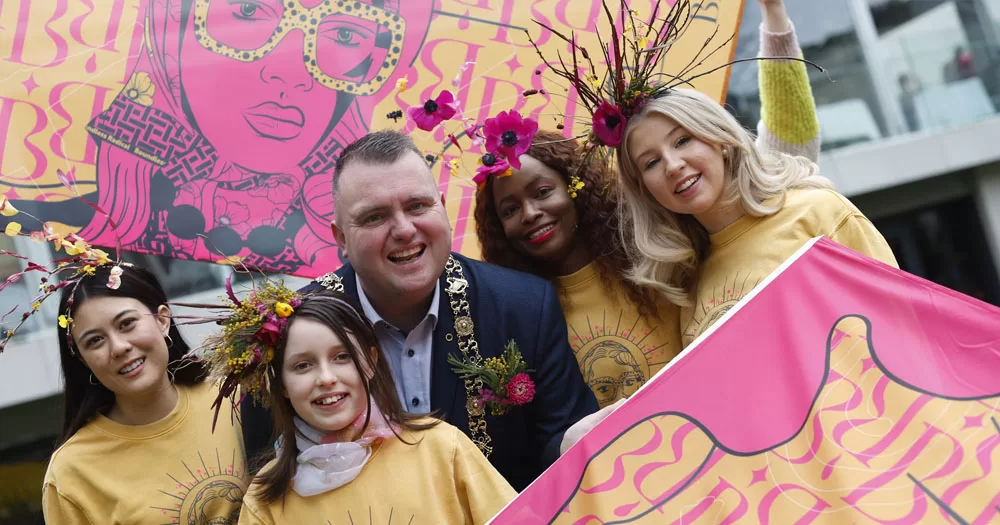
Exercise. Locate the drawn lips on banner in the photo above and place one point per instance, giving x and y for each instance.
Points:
(891, 413)
(275, 121)
(209, 129)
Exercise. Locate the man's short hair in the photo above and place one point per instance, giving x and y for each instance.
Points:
(380, 148)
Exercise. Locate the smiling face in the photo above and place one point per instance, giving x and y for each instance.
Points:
(266, 115)
(123, 345)
(685, 174)
(536, 211)
(392, 225)
(320, 377)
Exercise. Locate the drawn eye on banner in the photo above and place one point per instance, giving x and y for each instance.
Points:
(209, 129)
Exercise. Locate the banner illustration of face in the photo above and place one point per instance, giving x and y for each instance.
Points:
(889, 414)
(209, 129)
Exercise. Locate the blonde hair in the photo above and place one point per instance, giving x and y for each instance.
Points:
(668, 248)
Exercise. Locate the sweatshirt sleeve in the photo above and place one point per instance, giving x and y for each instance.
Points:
(789, 123)
(859, 234)
(57, 508)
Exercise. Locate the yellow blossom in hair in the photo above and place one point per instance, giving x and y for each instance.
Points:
(575, 184)
(13, 228)
(64, 321)
(89, 270)
(100, 256)
(6, 208)
(453, 163)
(402, 84)
(283, 309)
(76, 248)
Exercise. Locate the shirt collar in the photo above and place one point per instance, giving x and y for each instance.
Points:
(374, 316)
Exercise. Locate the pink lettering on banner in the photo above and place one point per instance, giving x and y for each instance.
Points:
(57, 142)
(539, 33)
(450, 48)
(584, 20)
(783, 492)
(27, 27)
(714, 499)
(505, 94)
(7, 109)
(111, 23)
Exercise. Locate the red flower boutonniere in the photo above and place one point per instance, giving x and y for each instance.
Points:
(506, 382)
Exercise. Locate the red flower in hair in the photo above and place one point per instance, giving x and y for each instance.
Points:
(490, 165)
(609, 124)
(268, 333)
(510, 135)
(434, 112)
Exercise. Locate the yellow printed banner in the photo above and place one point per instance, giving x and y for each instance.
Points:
(208, 129)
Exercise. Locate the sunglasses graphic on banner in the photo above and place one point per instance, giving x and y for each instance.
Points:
(349, 46)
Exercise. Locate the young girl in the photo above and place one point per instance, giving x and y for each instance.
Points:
(711, 216)
(137, 444)
(348, 452)
(621, 333)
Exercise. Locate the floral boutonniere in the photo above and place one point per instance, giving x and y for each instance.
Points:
(505, 379)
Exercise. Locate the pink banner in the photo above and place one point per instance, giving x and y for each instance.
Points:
(209, 129)
(840, 391)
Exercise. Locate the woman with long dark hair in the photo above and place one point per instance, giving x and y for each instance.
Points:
(137, 444)
(347, 448)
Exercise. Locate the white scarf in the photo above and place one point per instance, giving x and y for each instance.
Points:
(325, 462)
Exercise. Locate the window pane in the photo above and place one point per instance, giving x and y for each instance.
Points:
(939, 57)
(847, 106)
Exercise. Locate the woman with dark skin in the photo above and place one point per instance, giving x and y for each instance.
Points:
(542, 221)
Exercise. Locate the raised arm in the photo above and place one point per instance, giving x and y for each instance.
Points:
(788, 112)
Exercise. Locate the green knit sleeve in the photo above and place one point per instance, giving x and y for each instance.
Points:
(788, 112)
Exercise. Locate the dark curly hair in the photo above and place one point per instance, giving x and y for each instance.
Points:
(596, 210)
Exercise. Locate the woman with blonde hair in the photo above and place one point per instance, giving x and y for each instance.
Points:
(557, 217)
(710, 215)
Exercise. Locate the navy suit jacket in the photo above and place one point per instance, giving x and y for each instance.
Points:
(505, 305)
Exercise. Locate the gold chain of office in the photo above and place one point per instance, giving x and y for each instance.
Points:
(466, 340)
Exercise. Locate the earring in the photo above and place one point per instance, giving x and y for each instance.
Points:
(170, 342)
(92, 381)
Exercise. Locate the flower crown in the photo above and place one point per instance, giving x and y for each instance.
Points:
(633, 58)
(81, 262)
(507, 137)
(240, 355)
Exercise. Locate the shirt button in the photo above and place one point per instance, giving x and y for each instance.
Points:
(415, 402)
(409, 352)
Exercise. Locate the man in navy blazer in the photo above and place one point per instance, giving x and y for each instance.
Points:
(392, 225)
